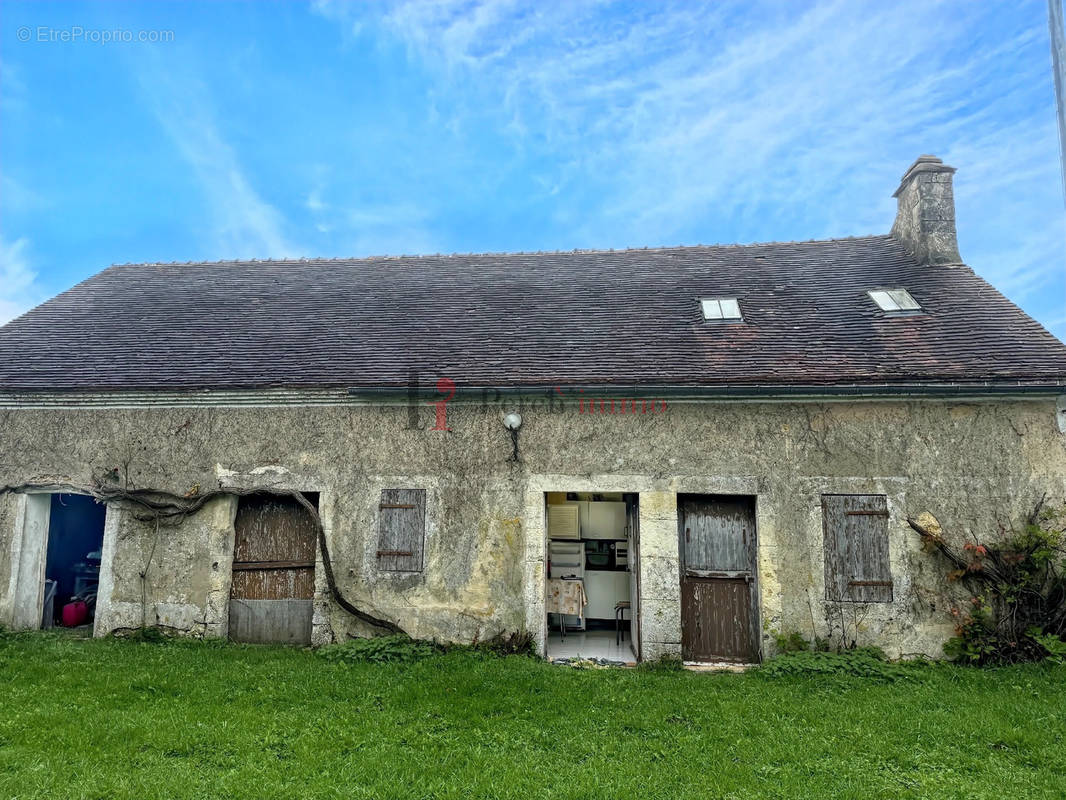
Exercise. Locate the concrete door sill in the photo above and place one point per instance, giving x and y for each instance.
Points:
(716, 666)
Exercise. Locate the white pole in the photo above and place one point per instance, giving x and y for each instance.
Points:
(1058, 64)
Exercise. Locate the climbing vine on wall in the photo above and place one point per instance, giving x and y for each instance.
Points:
(1016, 580)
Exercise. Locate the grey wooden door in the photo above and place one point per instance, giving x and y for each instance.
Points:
(273, 571)
(718, 578)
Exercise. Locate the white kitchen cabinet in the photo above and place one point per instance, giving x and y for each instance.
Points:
(606, 520)
(604, 589)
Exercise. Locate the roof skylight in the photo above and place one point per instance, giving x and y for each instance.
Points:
(724, 308)
(894, 300)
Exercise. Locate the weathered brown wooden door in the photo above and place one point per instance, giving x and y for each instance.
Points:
(718, 571)
(273, 571)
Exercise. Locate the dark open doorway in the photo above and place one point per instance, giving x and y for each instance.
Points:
(72, 563)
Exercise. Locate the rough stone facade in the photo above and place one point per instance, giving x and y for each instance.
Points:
(974, 465)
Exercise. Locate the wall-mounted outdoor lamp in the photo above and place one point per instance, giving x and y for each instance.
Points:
(513, 422)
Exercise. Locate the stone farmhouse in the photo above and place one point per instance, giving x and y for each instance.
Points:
(628, 454)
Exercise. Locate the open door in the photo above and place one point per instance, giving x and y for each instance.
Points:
(719, 603)
(633, 535)
(273, 571)
(72, 567)
(57, 572)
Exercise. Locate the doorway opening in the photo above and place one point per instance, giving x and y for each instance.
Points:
(72, 562)
(592, 585)
(719, 590)
(273, 588)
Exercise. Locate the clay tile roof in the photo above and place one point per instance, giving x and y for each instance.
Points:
(622, 317)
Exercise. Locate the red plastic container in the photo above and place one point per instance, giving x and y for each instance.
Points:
(75, 614)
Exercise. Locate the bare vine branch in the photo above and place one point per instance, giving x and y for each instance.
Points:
(1019, 595)
(159, 505)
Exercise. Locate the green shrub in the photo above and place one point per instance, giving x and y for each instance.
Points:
(791, 643)
(149, 635)
(380, 650)
(662, 664)
(862, 662)
(516, 643)
(1053, 645)
(399, 648)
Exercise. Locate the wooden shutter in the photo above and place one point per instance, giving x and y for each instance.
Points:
(401, 529)
(855, 529)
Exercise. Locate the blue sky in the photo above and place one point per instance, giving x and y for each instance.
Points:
(283, 129)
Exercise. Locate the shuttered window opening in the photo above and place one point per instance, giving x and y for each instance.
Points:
(855, 528)
(401, 530)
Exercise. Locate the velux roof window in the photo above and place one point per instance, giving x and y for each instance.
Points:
(894, 301)
(721, 308)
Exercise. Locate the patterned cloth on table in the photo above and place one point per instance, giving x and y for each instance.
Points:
(567, 597)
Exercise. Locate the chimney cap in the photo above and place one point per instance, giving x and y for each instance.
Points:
(924, 163)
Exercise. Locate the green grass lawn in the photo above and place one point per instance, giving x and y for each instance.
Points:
(124, 719)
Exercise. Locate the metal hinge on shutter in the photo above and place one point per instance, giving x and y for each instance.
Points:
(384, 553)
(396, 505)
(866, 513)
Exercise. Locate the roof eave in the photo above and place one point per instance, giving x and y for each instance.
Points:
(731, 392)
(268, 396)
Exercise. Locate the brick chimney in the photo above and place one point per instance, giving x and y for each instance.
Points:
(925, 220)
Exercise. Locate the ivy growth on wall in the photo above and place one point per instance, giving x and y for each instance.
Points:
(1017, 586)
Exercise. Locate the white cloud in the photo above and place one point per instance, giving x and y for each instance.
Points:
(694, 114)
(711, 122)
(13, 91)
(314, 201)
(357, 223)
(387, 229)
(19, 291)
(18, 198)
(244, 225)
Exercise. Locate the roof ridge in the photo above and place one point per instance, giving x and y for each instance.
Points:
(490, 253)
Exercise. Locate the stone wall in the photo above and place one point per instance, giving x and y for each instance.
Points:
(973, 465)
